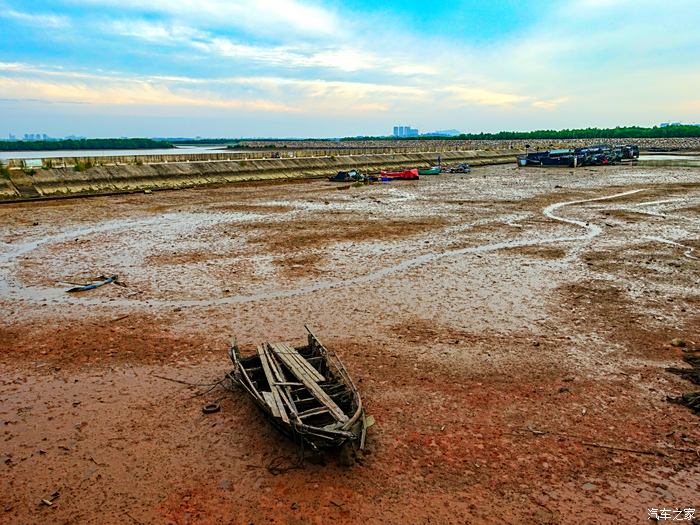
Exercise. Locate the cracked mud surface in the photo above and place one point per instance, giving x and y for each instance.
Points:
(509, 330)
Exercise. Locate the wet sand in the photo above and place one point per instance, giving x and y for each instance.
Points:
(509, 330)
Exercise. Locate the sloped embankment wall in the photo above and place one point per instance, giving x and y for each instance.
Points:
(125, 178)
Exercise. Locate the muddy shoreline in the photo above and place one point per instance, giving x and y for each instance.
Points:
(110, 176)
(509, 330)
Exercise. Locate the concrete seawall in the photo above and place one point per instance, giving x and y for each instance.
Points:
(57, 182)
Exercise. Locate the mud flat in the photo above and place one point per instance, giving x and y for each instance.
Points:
(509, 330)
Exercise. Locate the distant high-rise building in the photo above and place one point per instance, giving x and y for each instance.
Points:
(405, 131)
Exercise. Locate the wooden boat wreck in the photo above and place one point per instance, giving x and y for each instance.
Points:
(306, 392)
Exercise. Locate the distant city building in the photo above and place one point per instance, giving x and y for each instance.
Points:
(11, 137)
(405, 131)
(663, 125)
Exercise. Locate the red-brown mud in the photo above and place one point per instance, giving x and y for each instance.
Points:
(515, 363)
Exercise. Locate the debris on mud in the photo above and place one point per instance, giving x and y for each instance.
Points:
(691, 374)
(91, 286)
(49, 500)
(690, 399)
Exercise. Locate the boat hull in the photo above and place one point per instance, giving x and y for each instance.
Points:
(315, 431)
(400, 175)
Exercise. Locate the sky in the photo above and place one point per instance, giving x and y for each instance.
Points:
(332, 68)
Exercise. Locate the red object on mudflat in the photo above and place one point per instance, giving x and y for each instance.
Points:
(405, 174)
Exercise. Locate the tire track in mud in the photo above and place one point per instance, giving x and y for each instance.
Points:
(40, 294)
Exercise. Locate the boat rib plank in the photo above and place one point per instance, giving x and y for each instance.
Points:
(283, 386)
(272, 398)
(270, 402)
(291, 351)
(309, 382)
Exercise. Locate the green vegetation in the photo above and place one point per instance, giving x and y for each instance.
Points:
(628, 132)
(4, 171)
(202, 142)
(82, 166)
(53, 145)
(266, 146)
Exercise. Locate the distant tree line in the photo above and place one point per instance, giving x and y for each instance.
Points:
(70, 144)
(632, 132)
(201, 142)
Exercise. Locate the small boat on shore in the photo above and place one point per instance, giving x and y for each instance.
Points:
(347, 176)
(400, 175)
(459, 168)
(435, 170)
(597, 155)
(306, 392)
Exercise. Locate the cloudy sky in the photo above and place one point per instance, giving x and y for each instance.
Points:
(324, 68)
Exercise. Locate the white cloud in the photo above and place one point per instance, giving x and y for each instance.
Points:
(112, 92)
(414, 70)
(275, 18)
(550, 104)
(39, 20)
(484, 97)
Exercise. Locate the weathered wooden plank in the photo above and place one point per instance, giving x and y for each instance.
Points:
(274, 365)
(266, 366)
(282, 383)
(292, 352)
(310, 383)
(313, 412)
(310, 360)
(272, 398)
(270, 401)
(280, 406)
